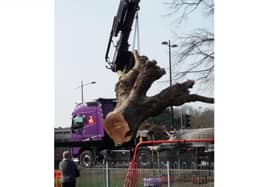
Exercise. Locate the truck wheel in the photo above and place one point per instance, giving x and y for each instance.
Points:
(86, 159)
(144, 158)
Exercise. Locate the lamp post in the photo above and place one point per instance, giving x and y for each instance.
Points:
(168, 43)
(82, 88)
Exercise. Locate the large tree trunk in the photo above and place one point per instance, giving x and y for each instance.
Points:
(133, 106)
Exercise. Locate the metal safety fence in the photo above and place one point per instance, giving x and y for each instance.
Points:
(115, 177)
(132, 176)
(159, 163)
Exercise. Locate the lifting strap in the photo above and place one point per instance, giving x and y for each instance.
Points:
(136, 34)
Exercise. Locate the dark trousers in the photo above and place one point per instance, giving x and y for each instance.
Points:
(68, 184)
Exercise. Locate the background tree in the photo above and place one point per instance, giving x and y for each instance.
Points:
(199, 118)
(196, 49)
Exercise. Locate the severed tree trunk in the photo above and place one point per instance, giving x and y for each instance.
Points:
(133, 106)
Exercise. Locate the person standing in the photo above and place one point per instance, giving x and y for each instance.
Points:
(69, 170)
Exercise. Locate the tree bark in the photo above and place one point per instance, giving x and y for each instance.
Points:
(133, 106)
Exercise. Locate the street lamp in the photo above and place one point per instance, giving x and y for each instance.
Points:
(170, 75)
(82, 88)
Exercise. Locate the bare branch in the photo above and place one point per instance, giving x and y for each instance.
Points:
(196, 54)
(195, 97)
(185, 8)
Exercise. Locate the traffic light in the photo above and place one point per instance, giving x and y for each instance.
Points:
(188, 121)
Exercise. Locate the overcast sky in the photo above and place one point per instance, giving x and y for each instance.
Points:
(82, 29)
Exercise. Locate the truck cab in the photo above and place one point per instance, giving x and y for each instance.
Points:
(86, 122)
(87, 119)
(87, 128)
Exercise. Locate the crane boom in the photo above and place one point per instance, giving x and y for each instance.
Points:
(121, 28)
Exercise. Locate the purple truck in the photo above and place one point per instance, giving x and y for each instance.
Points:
(90, 145)
(87, 140)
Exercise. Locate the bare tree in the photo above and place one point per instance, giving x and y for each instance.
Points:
(184, 8)
(134, 106)
(201, 119)
(196, 52)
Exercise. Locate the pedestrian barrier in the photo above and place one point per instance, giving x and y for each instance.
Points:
(163, 170)
(132, 175)
(115, 177)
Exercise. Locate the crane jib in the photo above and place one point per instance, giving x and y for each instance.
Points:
(122, 58)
